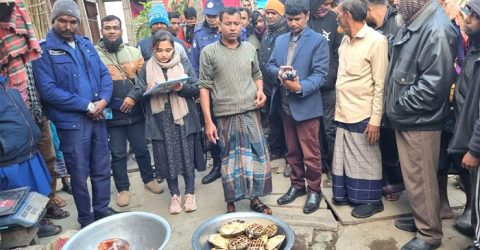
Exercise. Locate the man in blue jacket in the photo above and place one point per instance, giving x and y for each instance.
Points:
(75, 87)
(305, 51)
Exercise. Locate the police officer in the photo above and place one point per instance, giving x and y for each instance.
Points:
(204, 35)
(75, 86)
(207, 33)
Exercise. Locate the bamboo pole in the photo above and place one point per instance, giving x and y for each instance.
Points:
(84, 22)
(127, 14)
(39, 12)
(102, 11)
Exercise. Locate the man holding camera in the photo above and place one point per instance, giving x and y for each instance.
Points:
(300, 62)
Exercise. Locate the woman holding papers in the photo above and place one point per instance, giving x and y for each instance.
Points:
(171, 119)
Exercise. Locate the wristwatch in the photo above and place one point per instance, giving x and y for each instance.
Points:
(91, 107)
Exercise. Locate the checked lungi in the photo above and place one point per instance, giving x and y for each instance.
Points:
(246, 172)
(357, 165)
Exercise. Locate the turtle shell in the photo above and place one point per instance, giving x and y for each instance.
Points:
(218, 241)
(254, 230)
(256, 244)
(239, 243)
(275, 242)
(232, 228)
(270, 230)
(264, 238)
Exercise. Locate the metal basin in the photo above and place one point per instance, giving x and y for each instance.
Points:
(210, 226)
(142, 231)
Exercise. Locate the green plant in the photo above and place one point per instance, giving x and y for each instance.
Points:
(178, 5)
(141, 22)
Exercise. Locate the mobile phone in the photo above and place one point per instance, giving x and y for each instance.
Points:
(107, 114)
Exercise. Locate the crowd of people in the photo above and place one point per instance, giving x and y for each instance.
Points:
(381, 96)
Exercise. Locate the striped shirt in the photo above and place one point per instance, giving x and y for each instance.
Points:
(230, 76)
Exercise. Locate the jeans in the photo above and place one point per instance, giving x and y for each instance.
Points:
(135, 134)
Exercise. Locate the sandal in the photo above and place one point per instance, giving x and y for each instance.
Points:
(392, 196)
(259, 207)
(67, 187)
(59, 202)
(54, 212)
(231, 208)
(47, 229)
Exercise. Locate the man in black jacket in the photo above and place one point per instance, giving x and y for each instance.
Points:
(276, 26)
(386, 20)
(324, 21)
(418, 85)
(465, 144)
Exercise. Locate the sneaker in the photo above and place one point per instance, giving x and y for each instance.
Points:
(154, 187)
(123, 199)
(190, 204)
(175, 205)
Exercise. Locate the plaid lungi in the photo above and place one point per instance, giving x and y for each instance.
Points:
(246, 172)
(357, 165)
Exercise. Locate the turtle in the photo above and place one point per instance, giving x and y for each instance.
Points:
(232, 228)
(218, 241)
(256, 244)
(239, 243)
(254, 230)
(275, 242)
(270, 230)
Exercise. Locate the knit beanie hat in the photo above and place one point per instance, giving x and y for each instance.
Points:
(275, 5)
(474, 5)
(158, 14)
(65, 8)
(411, 9)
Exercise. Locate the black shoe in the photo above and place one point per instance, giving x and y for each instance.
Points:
(339, 203)
(67, 187)
(109, 212)
(287, 171)
(464, 229)
(291, 195)
(214, 174)
(406, 224)
(367, 210)
(274, 156)
(417, 244)
(313, 202)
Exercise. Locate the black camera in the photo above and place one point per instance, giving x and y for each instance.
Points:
(289, 75)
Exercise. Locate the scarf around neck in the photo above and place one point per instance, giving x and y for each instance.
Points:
(278, 26)
(155, 76)
(412, 9)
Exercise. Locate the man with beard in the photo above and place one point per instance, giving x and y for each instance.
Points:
(464, 147)
(386, 20)
(276, 26)
(420, 73)
(357, 166)
(206, 34)
(128, 123)
(75, 86)
(324, 21)
(300, 62)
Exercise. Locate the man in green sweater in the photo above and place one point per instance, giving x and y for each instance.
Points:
(237, 94)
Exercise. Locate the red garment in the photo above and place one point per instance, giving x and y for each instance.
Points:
(18, 46)
(181, 36)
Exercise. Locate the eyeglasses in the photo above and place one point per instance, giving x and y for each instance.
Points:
(108, 28)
